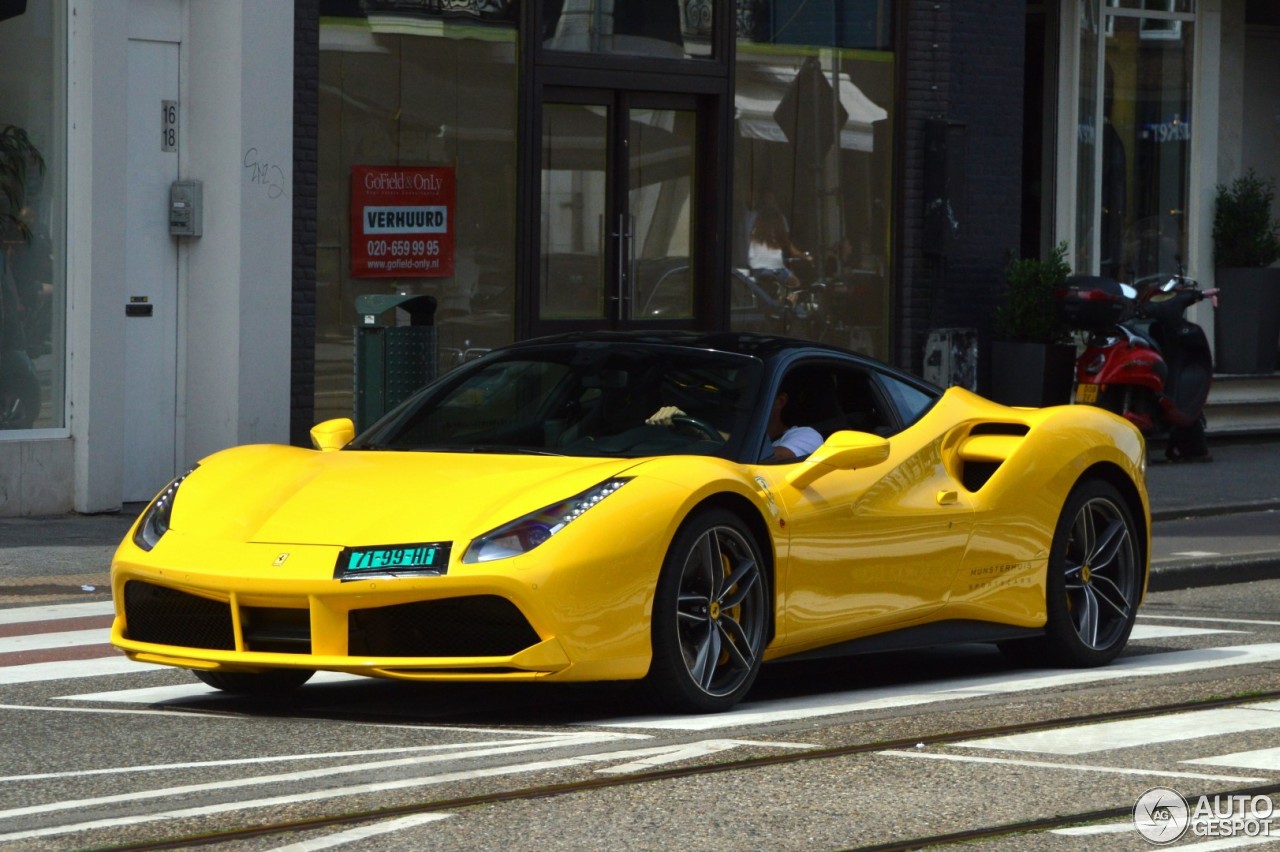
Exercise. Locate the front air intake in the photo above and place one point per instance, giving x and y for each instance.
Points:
(169, 617)
(474, 626)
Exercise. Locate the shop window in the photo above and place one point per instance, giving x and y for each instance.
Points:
(420, 99)
(1135, 141)
(32, 208)
(814, 115)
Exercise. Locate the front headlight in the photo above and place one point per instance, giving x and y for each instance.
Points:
(155, 518)
(524, 534)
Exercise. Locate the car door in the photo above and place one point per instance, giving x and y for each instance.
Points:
(875, 548)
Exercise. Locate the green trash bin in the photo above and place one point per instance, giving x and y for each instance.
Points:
(392, 361)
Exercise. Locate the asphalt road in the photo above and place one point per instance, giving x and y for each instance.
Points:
(834, 754)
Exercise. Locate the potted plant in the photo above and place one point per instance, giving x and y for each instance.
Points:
(1032, 360)
(1246, 242)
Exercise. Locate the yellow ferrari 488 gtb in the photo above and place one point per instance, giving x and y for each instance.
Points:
(673, 507)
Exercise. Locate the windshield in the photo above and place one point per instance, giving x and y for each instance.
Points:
(584, 399)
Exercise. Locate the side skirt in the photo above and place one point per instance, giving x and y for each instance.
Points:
(956, 632)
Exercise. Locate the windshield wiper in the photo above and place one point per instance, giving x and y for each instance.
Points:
(494, 449)
(499, 449)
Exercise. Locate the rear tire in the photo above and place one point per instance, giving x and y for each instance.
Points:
(1095, 579)
(1093, 585)
(271, 682)
(710, 616)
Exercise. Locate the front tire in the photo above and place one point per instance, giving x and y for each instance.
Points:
(271, 682)
(710, 616)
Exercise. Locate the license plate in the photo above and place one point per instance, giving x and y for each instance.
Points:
(1087, 394)
(424, 558)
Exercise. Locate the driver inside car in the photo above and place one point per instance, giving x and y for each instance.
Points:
(789, 441)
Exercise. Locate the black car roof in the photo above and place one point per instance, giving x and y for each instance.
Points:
(763, 346)
(774, 350)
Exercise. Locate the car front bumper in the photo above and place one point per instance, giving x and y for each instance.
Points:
(273, 606)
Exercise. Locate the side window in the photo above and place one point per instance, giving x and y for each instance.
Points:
(911, 402)
(860, 404)
(831, 397)
(809, 414)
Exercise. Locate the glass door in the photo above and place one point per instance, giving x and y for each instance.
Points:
(617, 209)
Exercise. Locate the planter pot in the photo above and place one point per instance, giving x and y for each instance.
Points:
(1032, 374)
(1247, 321)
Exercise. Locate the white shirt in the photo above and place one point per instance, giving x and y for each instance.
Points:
(800, 440)
(761, 256)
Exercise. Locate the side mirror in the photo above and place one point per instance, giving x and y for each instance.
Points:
(842, 451)
(333, 434)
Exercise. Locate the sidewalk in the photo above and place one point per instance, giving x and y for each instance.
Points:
(1243, 476)
(69, 555)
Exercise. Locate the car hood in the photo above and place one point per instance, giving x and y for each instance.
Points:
(287, 495)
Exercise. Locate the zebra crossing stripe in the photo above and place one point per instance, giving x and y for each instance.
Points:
(69, 669)
(1264, 758)
(19, 615)
(46, 641)
(1129, 733)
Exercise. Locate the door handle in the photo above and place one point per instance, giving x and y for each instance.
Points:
(620, 284)
(948, 498)
(629, 272)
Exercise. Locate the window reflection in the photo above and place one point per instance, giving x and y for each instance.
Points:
(670, 29)
(1151, 114)
(813, 150)
(1087, 147)
(572, 257)
(32, 288)
(404, 85)
(1135, 140)
(660, 201)
(599, 261)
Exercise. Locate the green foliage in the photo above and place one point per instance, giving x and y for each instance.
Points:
(17, 157)
(1244, 234)
(1029, 312)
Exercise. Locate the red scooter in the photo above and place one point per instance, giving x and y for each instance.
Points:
(1144, 359)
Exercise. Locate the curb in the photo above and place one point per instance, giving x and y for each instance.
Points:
(1173, 575)
(1184, 512)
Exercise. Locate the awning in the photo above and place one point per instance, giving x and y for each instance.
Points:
(761, 88)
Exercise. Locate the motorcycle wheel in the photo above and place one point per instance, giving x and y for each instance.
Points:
(1188, 443)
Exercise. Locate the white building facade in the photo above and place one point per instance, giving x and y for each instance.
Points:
(148, 248)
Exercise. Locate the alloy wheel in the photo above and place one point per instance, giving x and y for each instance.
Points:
(720, 611)
(1101, 574)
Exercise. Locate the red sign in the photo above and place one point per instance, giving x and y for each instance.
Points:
(401, 221)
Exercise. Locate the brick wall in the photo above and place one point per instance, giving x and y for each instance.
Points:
(964, 62)
(306, 63)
